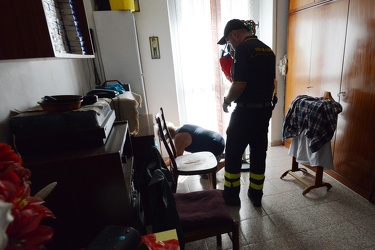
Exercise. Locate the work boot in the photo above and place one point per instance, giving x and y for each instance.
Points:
(255, 197)
(231, 196)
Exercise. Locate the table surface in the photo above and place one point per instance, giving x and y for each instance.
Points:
(146, 125)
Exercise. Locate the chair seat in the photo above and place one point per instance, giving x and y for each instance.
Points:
(202, 209)
(197, 163)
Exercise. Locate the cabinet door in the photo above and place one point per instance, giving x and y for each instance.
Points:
(316, 42)
(327, 47)
(298, 4)
(295, 4)
(354, 156)
(299, 51)
(93, 189)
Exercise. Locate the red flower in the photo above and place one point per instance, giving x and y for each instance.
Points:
(8, 156)
(26, 228)
(25, 231)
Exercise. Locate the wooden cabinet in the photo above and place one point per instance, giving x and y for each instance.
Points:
(142, 142)
(354, 157)
(316, 42)
(94, 189)
(28, 30)
(330, 48)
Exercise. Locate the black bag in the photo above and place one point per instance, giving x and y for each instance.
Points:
(157, 187)
(154, 161)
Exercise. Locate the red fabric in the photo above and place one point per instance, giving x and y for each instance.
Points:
(150, 241)
(226, 62)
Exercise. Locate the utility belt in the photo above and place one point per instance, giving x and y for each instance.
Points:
(254, 105)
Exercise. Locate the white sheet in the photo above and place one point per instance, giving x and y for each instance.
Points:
(301, 151)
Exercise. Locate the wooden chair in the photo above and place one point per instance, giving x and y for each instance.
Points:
(195, 215)
(199, 163)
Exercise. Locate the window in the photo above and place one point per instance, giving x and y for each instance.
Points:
(199, 24)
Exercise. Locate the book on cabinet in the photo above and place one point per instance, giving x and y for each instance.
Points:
(35, 29)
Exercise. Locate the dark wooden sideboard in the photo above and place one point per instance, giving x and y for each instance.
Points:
(143, 141)
(141, 144)
(94, 189)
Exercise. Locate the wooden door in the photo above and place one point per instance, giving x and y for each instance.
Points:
(354, 154)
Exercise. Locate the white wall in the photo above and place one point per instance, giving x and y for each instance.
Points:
(274, 18)
(280, 13)
(24, 82)
(159, 76)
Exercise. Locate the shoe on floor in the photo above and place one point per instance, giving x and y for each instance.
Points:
(257, 202)
(231, 200)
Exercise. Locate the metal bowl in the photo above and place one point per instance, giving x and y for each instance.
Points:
(61, 103)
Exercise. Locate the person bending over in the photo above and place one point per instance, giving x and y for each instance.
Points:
(192, 138)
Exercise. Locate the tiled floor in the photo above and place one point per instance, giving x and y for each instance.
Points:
(337, 219)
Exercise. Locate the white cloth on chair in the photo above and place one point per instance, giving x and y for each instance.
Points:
(300, 149)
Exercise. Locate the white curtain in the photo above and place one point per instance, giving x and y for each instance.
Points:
(199, 25)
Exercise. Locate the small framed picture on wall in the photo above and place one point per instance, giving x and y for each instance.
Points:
(136, 5)
(154, 46)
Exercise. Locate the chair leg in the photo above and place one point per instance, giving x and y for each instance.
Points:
(218, 240)
(236, 237)
(213, 180)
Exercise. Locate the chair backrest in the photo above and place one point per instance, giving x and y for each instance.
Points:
(168, 143)
(158, 186)
(153, 161)
(163, 206)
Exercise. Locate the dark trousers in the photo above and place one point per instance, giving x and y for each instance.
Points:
(247, 126)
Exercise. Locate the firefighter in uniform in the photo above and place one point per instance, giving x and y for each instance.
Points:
(252, 89)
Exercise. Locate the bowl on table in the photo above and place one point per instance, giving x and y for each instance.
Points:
(61, 103)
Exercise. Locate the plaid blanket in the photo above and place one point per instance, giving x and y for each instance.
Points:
(315, 116)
